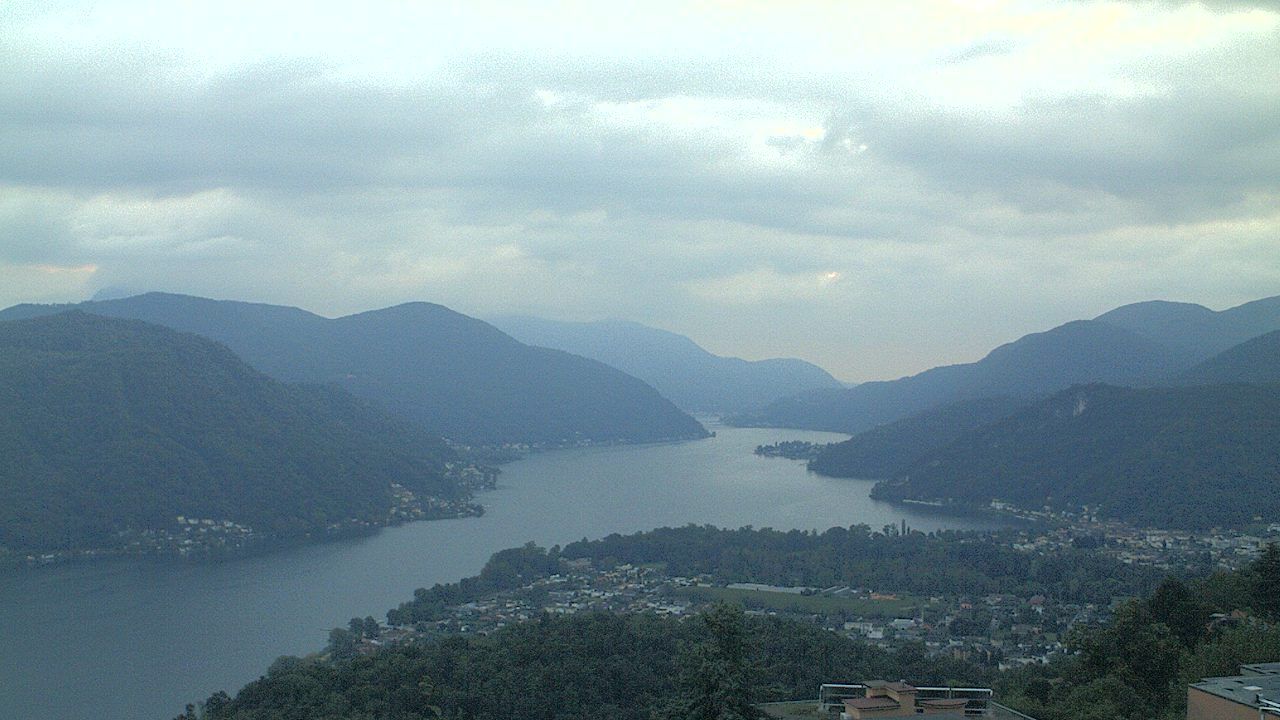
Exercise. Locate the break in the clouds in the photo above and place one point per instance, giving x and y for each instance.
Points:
(878, 188)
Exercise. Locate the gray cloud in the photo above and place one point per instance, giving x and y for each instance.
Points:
(464, 186)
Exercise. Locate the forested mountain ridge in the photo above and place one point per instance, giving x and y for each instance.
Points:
(110, 425)
(1255, 361)
(1190, 457)
(453, 375)
(684, 372)
(889, 449)
(883, 451)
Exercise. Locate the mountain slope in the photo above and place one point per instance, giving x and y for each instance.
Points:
(1173, 457)
(1034, 365)
(1255, 361)
(883, 451)
(688, 375)
(108, 425)
(453, 375)
(1195, 327)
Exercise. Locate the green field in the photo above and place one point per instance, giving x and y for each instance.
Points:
(807, 604)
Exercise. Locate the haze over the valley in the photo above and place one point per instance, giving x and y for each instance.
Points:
(874, 192)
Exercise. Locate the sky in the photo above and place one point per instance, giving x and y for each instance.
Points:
(875, 187)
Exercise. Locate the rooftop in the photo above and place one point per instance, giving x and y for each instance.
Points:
(1243, 689)
(808, 710)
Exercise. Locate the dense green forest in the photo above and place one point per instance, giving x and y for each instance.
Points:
(586, 666)
(111, 425)
(451, 374)
(961, 562)
(883, 451)
(1189, 457)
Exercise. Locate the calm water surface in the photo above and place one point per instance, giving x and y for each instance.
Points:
(136, 639)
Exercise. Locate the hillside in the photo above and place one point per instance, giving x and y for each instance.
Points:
(883, 451)
(453, 375)
(1032, 366)
(111, 425)
(1195, 327)
(680, 369)
(1191, 457)
(1255, 361)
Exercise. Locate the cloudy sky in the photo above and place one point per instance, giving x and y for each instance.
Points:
(876, 187)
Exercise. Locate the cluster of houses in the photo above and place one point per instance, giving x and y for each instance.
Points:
(1167, 549)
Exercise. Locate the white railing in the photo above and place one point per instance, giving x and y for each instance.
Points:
(831, 696)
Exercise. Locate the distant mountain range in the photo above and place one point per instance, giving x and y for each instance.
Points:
(452, 375)
(1195, 328)
(110, 425)
(1136, 345)
(685, 373)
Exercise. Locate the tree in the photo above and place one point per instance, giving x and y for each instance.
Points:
(1264, 583)
(715, 680)
(342, 643)
(1134, 650)
(1173, 604)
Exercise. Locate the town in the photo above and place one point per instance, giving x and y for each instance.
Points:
(995, 630)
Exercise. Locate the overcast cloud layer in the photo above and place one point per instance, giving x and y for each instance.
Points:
(875, 190)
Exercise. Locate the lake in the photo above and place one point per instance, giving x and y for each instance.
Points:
(125, 639)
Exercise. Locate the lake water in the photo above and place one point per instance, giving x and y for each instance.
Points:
(129, 639)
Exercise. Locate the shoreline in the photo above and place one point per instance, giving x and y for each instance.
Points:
(485, 461)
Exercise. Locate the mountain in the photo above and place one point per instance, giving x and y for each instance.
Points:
(1255, 361)
(883, 451)
(1033, 366)
(453, 375)
(1195, 327)
(1192, 457)
(680, 369)
(110, 425)
(1141, 344)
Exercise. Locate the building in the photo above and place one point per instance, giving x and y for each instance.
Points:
(1254, 694)
(881, 699)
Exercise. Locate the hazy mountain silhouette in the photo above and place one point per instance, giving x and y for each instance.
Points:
(685, 373)
(1032, 366)
(1196, 328)
(1135, 345)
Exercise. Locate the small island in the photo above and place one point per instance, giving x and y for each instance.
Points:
(791, 450)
